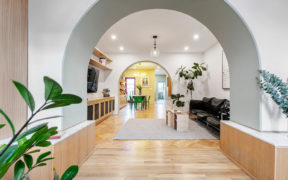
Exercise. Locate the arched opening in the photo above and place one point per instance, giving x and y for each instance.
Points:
(151, 76)
(219, 17)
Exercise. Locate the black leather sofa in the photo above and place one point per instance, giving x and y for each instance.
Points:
(210, 111)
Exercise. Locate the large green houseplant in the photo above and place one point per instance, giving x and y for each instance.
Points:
(191, 74)
(274, 86)
(19, 149)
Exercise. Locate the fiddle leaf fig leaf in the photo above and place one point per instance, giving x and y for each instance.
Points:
(25, 93)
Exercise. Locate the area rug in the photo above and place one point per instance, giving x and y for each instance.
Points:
(156, 129)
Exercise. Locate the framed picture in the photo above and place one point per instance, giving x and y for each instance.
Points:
(225, 72)
(145, 81)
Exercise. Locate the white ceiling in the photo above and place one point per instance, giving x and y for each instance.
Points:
(175, 31)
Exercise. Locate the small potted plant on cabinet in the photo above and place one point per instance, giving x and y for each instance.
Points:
(106, 92)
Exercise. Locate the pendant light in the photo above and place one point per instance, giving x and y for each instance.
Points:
(155, 51)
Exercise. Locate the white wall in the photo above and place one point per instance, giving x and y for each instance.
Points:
(213, 77)
(51, 23)
(169, 62)
(267, 21)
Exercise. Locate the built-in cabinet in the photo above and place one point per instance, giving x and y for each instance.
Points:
(100, 109)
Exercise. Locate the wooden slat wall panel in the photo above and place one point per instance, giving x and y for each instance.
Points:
(13, 60)
(253, 155)
(281, 163)
(75, 149)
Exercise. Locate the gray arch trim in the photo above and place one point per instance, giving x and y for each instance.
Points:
(219, 17)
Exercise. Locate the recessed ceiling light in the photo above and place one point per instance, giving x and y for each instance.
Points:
(196, 36)
(113, 37)
(186, 48)
(121, 48)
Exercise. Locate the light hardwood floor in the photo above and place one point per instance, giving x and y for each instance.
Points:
(153, 159)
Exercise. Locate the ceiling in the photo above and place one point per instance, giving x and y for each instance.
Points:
(175, 30)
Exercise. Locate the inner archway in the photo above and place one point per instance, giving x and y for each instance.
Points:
(219, 17)
(149, 75)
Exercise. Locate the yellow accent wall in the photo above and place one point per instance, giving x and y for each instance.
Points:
(138, 74)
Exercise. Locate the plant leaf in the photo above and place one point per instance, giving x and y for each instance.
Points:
(67, 98)
(25, 93)
(8, 120)
(2, 147)
(28, 160)
(44, 144)
(5, 159)
(35, 151)
(19, 169)
(47, 159)
(42, 164)
(2, 125)
(52, 88)
(21, 141)
(70, 173)
(42, 156)
(51, 117)
(56, 105)
(31, 131)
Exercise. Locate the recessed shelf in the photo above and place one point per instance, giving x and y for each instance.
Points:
(99, 65)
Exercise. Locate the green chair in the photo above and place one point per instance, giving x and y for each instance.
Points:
(147, 102)
(138, 99)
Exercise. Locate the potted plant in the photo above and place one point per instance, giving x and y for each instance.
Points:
(25, 142)
(176, 100)
(191, 74)
(106, 92)
(139, 87)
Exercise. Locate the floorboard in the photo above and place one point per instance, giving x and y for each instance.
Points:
(154, 159)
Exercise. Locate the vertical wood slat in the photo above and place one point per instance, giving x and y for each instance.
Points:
(254, 156)
(13, 60)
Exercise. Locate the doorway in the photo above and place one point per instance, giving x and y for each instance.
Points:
(130, 86)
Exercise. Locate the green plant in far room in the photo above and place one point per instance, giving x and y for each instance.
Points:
(176, 100)
(106, 92)
(139, 87)
(25, 142)
(191, 74)
(274, 86)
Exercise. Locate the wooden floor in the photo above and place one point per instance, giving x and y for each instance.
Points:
(154, 159)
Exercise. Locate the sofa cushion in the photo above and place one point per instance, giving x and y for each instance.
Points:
(196, 104)
(213, 121)
(216, 105)
(207, 103)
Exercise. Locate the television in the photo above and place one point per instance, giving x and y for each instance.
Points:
(92, 79)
